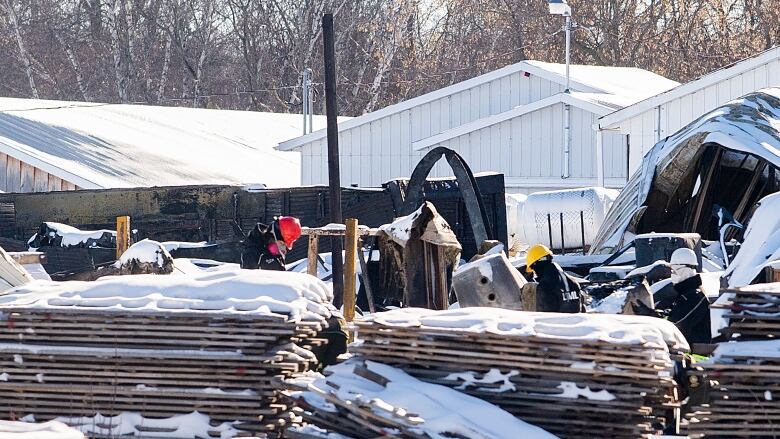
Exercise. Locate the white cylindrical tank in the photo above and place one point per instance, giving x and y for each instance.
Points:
(532, 218)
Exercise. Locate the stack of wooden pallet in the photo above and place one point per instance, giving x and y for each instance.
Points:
(574, 375)
(753, 312)
(743, 375)
(365, 399)
(742, 400)
(159, 346)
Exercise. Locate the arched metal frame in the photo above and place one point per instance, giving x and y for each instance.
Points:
(467, 185)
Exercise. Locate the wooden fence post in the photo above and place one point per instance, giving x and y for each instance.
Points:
(314, 244)
(350, 255)
(122, 235)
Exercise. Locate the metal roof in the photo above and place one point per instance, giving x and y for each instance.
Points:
(111, 146)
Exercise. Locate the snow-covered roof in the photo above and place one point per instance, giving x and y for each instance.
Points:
(98, 146)
(705, 81)
(632, 84)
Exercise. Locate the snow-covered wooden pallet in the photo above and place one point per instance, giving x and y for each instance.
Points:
(161, 347)
(743, 375)
(753, 312)
(577, 376)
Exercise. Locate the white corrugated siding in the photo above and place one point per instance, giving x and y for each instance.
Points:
(528, 150)
(381, 150)
(644, 129)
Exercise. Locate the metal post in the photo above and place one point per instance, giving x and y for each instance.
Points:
(563, 239)
(305, 100)
(567, 28)
(567, 117)
(310, 100)
(566, 141)
(334, 176)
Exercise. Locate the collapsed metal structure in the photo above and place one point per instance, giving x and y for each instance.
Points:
(729, 158)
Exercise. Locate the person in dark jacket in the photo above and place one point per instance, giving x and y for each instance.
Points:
(684, 304)
(556, 290)
(265, 248)
(266, 245)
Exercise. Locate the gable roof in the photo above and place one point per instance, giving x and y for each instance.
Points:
(112, 146)
(702, 82)
(585, 101)
(637, 83)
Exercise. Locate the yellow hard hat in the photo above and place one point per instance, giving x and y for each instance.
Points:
(535, 253)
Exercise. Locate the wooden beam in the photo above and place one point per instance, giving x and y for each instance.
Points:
(314, 244)
(122, 235)
(350, 255)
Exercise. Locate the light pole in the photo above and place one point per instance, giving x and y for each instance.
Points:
(560, 7)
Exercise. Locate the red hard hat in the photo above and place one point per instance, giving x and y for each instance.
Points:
(290, 229)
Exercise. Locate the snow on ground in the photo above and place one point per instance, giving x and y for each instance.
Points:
(620, 329)
(133, 424)
(247, 292)
(444, 412)
(46, 430)
(193, 266)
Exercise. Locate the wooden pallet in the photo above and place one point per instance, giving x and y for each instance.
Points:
(76, 363)
(638, 377)
(744, 395)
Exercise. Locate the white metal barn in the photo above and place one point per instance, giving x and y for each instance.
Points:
(511, 120)
(51, 146)
(647, 122)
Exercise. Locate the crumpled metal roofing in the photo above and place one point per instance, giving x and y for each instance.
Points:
(750, 124)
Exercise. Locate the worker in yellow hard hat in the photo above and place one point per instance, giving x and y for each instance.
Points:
(559, 291)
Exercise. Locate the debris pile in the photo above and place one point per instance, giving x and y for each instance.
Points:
(574, 375)
(364, 399)
(110, 356)
(742, 375)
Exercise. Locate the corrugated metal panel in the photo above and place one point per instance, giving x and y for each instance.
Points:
(380, 150)
(530, 147)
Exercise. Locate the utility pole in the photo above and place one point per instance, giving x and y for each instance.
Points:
(334, 176)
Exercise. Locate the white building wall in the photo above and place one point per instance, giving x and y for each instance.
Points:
(365, 149)
(528, 150)
(647, 128)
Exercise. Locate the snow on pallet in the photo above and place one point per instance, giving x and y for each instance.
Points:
(574, 375)
(46, 430)
(363, 399)
(160, 346)
(743, 375)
